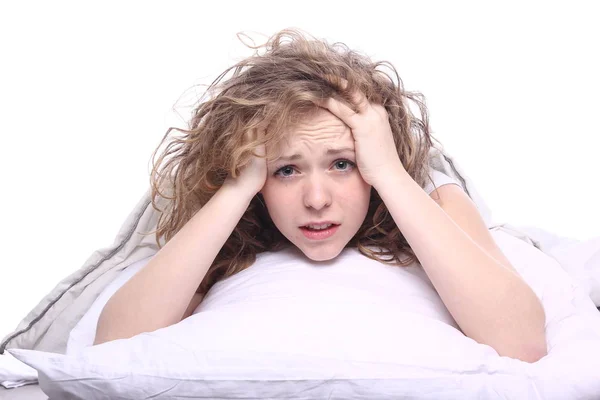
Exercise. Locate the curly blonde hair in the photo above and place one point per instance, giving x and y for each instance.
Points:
(270, 92)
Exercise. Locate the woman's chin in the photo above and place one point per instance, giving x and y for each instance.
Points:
(319, 249)
(322, 253)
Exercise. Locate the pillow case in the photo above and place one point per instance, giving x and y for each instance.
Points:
(337, 340)
(84, 332)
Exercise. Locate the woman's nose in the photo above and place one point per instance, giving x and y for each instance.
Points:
(316, 193)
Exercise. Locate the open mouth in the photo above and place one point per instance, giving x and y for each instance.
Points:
(319, 232)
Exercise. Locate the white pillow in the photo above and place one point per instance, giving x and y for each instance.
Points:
(271, 335)
(83, 334)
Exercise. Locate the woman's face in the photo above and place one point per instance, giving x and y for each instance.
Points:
(320, 183)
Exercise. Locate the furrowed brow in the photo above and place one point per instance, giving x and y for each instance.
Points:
(329, 152)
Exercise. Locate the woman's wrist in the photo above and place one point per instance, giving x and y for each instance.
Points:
(237, 190)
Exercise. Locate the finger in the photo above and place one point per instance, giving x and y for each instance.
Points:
(379, 109)
(358, 98)
(262, 148)
(362, 104)
(258, 136)
(337, 79)
(252, 136)
(340, 110)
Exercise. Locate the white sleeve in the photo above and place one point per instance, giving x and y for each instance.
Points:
(439, 179)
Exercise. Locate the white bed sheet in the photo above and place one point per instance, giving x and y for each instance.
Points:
(569, 371)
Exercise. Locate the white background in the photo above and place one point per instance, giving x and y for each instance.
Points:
(87, 92)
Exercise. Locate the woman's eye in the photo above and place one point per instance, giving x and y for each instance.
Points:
(344, 163)
(284, 171)
(341, 164)
(288, 170)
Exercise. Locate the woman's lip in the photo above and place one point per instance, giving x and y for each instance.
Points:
(319, 235)
(319, 223)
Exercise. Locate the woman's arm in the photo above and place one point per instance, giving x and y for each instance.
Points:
(194, 303)
(490, 302)
(161, 292)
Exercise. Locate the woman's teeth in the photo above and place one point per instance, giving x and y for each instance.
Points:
(318, 227)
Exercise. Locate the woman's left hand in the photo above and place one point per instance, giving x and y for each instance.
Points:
(376, 154)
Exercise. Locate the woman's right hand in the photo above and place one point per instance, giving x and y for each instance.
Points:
(253, 176)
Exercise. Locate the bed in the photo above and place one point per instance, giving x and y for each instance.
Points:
(259, 363)
(27, 392)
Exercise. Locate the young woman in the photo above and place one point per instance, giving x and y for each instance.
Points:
(312, 147)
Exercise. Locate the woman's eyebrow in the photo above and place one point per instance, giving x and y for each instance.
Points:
(328, 152)
(340, 150)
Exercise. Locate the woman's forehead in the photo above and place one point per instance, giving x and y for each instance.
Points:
(310, 147)
(320, 127)
(320, 130)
